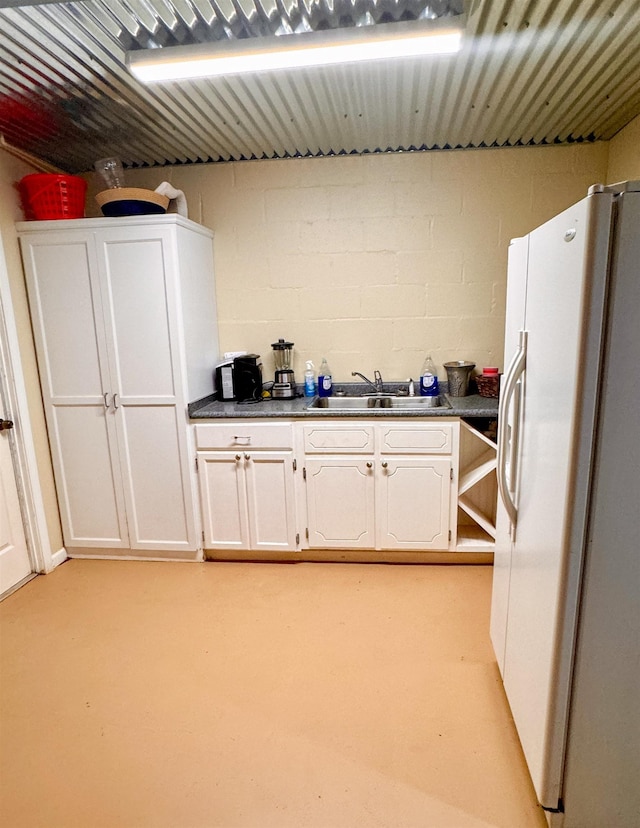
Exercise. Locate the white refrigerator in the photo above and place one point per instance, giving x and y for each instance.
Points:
(565, 613)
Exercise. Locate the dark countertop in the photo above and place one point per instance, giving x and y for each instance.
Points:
(211, 409)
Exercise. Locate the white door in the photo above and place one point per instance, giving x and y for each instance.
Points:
(24, 543)
(140, 299)
(68, 325)
(15, 563)
(340, 502)
(413, 502)
(224, 500)
(270, 499)
(509, 420)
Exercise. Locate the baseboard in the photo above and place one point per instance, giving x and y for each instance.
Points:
(58, 557)
(133, 555)
(350, 556)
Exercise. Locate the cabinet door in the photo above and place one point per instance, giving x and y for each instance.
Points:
(340, 502)
(413, 500)
(270, 498)
(224, 501)
(67, 315)
(141, 298)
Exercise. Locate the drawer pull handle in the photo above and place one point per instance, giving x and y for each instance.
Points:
(244, 440)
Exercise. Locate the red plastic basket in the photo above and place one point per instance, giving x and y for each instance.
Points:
(49, 196)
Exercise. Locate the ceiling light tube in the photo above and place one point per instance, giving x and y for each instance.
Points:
(379, 42)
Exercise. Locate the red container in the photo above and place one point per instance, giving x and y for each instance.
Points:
(49, 196)
(488, 385)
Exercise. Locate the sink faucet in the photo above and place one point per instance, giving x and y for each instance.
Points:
(377, 380)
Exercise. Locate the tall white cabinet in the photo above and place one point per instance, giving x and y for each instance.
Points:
(125, 326)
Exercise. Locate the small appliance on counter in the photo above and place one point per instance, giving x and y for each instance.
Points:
(224, 386)
(284, 387)
(239, 378)
(247, 378)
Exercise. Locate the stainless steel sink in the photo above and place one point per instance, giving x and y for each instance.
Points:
(345, 403)
(376, 402)
(420, 402)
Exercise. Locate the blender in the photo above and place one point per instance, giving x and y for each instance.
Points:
(284, 387)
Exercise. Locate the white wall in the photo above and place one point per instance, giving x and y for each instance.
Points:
(374, 260)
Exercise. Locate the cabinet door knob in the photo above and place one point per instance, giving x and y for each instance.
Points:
(5, 425)
(238, 457)
(369, 464)
(384, 464)
(247, 457)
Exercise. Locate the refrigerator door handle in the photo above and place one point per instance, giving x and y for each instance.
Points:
(511, 385)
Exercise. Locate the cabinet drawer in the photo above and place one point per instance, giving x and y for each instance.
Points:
(348, 438)
(417, 438)
(238, 435)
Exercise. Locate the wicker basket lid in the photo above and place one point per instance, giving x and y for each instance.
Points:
(157, 203)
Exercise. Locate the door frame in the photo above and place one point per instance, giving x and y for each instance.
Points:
(24, 456)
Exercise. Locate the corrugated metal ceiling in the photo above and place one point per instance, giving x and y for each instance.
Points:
(542, 71)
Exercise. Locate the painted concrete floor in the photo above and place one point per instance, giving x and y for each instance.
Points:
(145, 695)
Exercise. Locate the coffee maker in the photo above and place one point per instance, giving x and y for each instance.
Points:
(247, 378)
(284, 387)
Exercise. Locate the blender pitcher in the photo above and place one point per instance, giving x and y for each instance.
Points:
(284, 387)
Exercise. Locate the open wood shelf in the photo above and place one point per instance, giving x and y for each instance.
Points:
(477, 491)
(473, 539)
(481, 519)
(477, 471)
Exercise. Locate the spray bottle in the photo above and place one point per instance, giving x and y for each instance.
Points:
(309, 380)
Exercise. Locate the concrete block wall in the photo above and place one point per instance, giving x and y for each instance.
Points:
(373, 261)
(624, 153)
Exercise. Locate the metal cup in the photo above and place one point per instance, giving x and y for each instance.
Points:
(458, 374)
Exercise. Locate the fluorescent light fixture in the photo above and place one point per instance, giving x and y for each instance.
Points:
(260, 54)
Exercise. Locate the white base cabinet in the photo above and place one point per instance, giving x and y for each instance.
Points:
(381, 485)
(414, 503)
(125, 327)
(247, 486)
(340, 500)
(327, 486)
